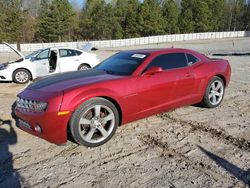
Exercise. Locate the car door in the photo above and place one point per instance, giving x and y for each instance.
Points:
(41, 63)
(169, 88)
(68, 60)
(54, 61)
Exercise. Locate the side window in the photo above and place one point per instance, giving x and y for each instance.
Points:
(169, 61)
(192, 59)
(43, 54)
(67, 53)
(71, 53)
(63, 53)
(78, 52)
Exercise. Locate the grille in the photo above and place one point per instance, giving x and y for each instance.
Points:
(31, 105)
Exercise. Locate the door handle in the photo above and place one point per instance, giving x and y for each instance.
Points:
(188, 74)
(44, 63)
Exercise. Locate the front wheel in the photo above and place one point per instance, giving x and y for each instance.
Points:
(94, 122)
(214, 93)
(21, 76)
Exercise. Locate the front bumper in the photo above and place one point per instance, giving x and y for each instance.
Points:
(47, 124)
(53, 127)
(5, 75)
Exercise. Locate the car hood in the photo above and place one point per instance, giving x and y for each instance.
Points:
(16, 61)
(64, 81)
(15, 50)
(11, 62)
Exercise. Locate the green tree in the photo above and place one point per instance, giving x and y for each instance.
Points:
(46, 31)
(126, 15)
(116, 19)
(201, 16)
(55, 21)
(238, 13)
(186, 22)
(93, 20)
(234, 15)
(150, 19)
(85, 21)
(120, 12)
(29, 28)
(3, 18)
(195, 16)
(11, 20)
(217, 18)
(171, 13)
(246, 18)
(98, 21)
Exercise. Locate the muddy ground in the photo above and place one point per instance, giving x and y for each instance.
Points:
(188, 147)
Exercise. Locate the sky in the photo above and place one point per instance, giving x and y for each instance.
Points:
(77, 2)
(80, 3)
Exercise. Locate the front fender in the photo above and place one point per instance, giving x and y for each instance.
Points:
(72, 100)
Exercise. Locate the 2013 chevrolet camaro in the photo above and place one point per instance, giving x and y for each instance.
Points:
(130, 85)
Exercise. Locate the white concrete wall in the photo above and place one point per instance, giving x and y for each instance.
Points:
(134, 41)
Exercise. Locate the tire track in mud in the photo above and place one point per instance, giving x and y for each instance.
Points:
(62, 153)
(96, 162)
(21, 154)
(169, 152)
(240, 143)
(178, 152)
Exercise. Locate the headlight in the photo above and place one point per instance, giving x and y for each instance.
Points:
(31, 105)
(4, 66)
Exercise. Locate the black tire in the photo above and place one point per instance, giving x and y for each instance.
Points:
(211, 95)
(13, 107)
(21, 76)
(94, 124)
(83, 67)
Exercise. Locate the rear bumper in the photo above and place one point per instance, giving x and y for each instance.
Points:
(53, 127)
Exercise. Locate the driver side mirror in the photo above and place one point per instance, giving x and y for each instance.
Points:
(153, 70)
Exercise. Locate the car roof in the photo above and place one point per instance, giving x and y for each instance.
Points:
(64, 48)
(161, 50)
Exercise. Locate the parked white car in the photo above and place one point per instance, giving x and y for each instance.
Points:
(44, 62)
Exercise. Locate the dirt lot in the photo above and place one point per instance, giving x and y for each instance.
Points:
(188, 147)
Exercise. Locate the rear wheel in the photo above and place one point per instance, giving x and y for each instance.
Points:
(21, 76)
(94, 122)
(84, 67)
(214, 93)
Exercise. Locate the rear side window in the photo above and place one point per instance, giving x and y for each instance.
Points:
(67, 53)
(169, 61)
(78, 52)
(192, 59)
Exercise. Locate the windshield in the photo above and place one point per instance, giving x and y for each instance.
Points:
(123, 63)
(33, 54)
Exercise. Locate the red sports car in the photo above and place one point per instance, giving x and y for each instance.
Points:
(129, 85)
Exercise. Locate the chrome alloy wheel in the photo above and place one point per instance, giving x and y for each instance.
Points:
(216, 91)
(84, 67)
(22, 76)
(96, 124)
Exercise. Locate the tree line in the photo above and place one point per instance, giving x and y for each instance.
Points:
(57, 20)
